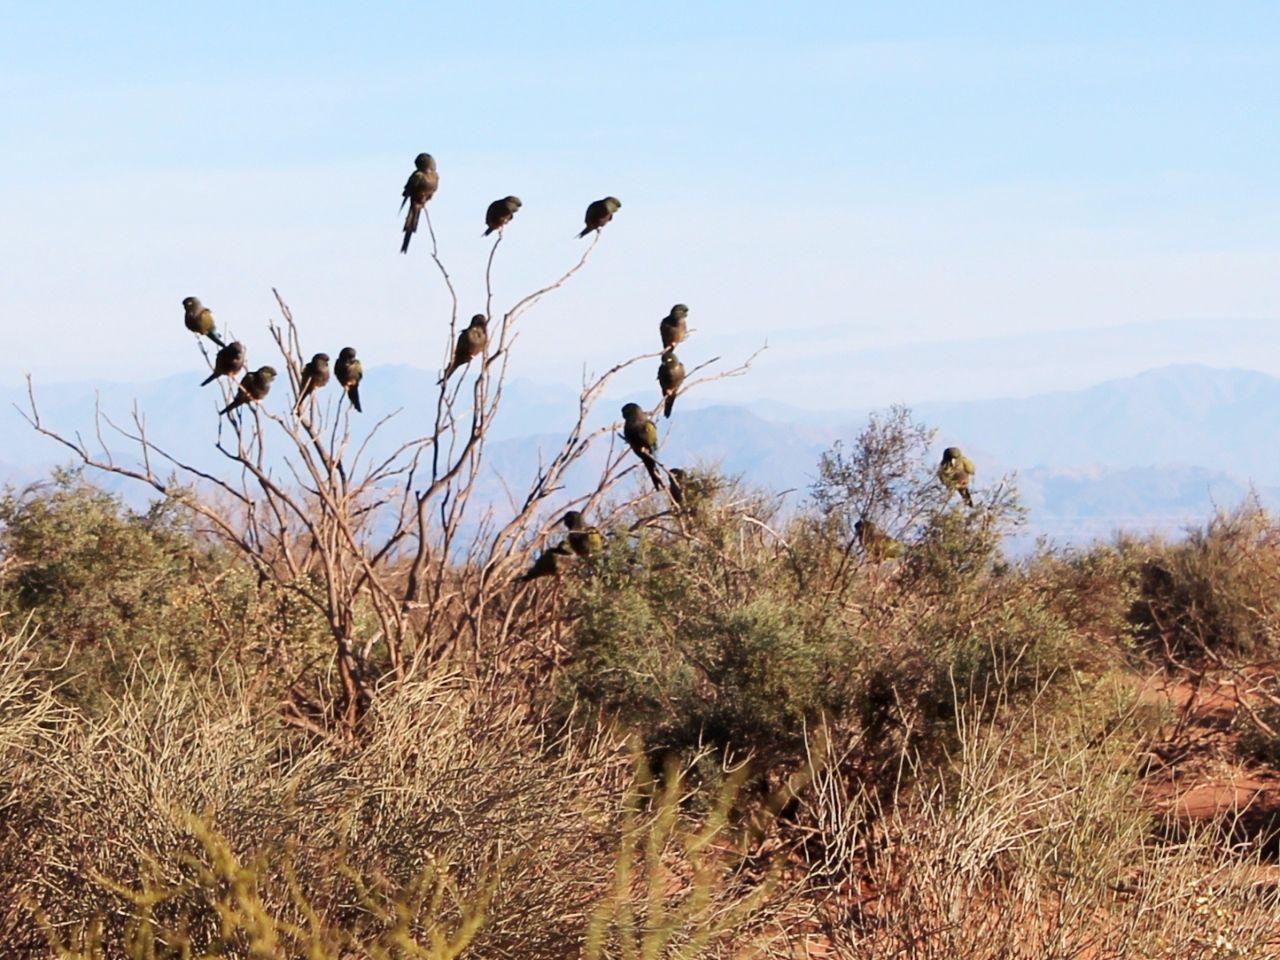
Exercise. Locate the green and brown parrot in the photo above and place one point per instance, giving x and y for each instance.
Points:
(642, 437)
(228, 362)
(600, 212)
(676, 487)
(418, 189)
(471, 344)
(314, 376)
(674, 326)
(500, 213)
(876, 544)
(670, 378)
(550, 563)
(254, 387)
(689, 488)
(199, 320)
(349, 372)
(583, 540)
(955, 472)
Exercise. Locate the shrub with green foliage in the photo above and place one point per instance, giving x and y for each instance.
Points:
(1217, 590)
(107, 588)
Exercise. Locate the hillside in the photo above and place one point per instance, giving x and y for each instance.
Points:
(1150, 452)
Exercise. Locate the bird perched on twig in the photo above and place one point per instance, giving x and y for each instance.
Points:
(199, 320)
(670, 378)
(471, 344)
(642, 437)
(418, 189)
(600, 212)
(254, 388)
(690, 489)
(500, 213)
(349, 372)
(314, 376)
(674, 326)
(228, 362)
(549, 562)
(955, 472)
(583, 540)
(678, 478)
(876, 544)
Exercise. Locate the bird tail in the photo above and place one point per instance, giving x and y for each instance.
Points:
(585, 231)
(968, 497)
(354, 394)
(209, 379)
(213, 335)
(487, 232)
(229, 407)
(447, 374)
(651, 465)
(410, 226)
(669, 405)
(302, 398)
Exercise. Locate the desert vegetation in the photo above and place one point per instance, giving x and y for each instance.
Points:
(314, 706)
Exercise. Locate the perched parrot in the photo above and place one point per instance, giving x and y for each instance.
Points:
(253, 388)
(314, 376)
(955, 472)
(500, 213)
(585, 541)
(674, 326)
(642, 437)
(600, 212)
(690, 488)
(676, 486)
(876, 544)
(670, 377)
(349, 373)
(471, 344)
(420, 187)
(199, 320)
(549, 563)
(228, 362)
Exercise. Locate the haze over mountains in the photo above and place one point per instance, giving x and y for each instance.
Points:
(1154, 451)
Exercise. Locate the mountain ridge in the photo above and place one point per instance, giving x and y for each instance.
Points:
(1164, 447)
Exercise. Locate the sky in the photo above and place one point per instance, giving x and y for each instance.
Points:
(859, 185)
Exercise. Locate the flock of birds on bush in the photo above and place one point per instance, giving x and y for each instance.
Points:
(638, 430)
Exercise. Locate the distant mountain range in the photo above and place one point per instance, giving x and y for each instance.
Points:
(1156, 451)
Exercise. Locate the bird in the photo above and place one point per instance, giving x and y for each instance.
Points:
(670, 377)
(876, 544)
(471, 344)
(418, 189)
(199, 320)
(674, 327)
(583, 540)
(253, 388)
(548, 563)
(349, 373)
(690, 489)
(314, 376)
(600, 212)
(955, 472)
(500, 213)
(642, 437)
(228, 362)
(676, 486)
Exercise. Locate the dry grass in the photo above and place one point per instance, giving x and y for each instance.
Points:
(1036, 843)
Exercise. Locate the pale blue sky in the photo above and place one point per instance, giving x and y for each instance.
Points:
(838, 178)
